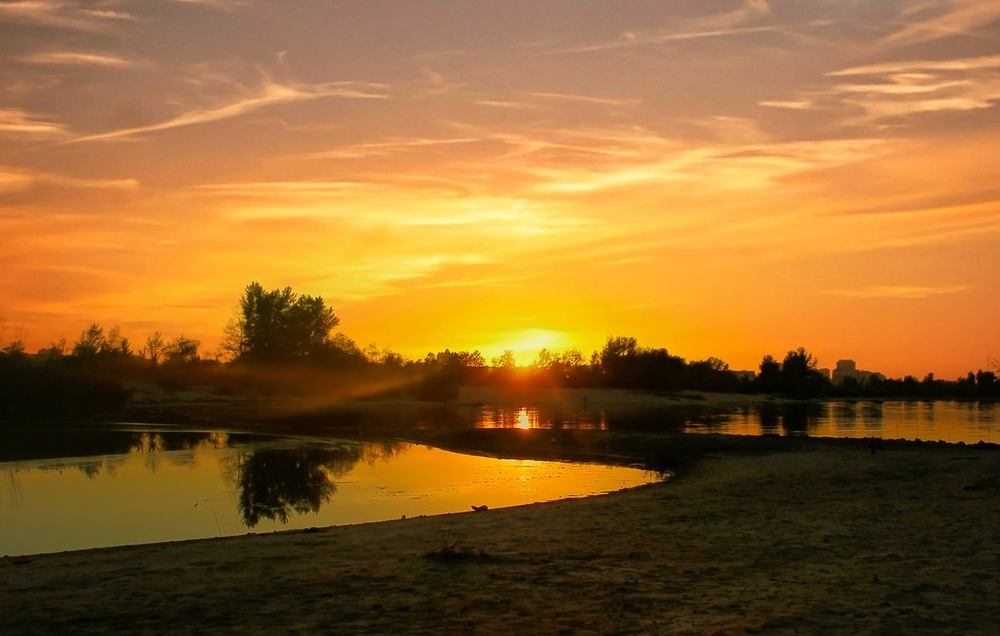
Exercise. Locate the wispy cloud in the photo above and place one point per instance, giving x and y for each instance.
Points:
(18, 180)
(902, 292)
(929, 225)
(63, 15)
(717, 25)
(398, 205)
(262, 96)
(81, 58)
(497, 103)
(893, 68)
(225, 5)
(728, 167)
(790, 104)
(385, 148)
(588, 99)
(18, 122)
(925, 21)
(876, 93)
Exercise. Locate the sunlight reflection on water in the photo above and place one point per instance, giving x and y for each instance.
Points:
(967, 422)
(149, 486)
(530, 417)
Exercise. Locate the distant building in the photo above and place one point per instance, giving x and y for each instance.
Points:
(824, 372)
(849, 369)
(744, 375)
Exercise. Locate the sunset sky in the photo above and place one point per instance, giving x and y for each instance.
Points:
(717, 177)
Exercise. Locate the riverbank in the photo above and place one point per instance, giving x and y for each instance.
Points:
(153, 403)
(809, 536)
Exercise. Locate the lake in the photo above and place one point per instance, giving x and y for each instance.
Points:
(968, 422)
(75, 489)
(71, 489)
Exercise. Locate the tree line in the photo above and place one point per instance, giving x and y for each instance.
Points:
(273, 331)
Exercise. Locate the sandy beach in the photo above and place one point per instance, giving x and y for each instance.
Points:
(814, 537)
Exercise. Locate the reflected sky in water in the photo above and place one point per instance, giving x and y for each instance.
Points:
(170, 486)
(968, 422)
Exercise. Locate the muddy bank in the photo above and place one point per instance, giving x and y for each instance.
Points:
(812, 538)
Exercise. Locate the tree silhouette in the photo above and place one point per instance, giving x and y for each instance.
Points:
(279, 325)
(182, 350)
(94, 343)
(799, 376)
(769, 375)
(154, 348)
(504, 361)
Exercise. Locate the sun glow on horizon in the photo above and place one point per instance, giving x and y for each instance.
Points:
(811, 175)
(525, 344)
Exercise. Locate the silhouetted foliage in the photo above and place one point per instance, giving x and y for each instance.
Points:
(625, 364)
(769, 375)
(799, 376)
(281, 343)
(93, 343)
(566, 369)
(279, 325)
(154, 349)
(182, 350)
(14, 349)
(796, 376)
(32, 388)
(712, 374)
(445, 371)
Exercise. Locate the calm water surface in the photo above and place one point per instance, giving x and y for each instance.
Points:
(70, 490)
(968, 422)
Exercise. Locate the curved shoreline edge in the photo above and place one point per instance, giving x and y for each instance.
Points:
(783, 535)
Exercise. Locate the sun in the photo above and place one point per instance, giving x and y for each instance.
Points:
(526, 343)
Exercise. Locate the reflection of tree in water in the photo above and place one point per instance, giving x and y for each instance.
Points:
(274, 483)
(796, 417)
(769, 414)
(177, 447)
(100, 451)
(10, 486)
(381, 451)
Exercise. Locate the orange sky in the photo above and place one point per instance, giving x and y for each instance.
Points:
(715, 177)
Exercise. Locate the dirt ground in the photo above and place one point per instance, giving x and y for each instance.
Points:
(816, 538)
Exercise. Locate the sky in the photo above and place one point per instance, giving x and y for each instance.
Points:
(717, 177)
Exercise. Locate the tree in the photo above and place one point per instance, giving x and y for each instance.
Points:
(769, 377)
(987, 383)
(115, 344)
(544, 359)
(625, 364)
(14, 348)
(155, 347)
(91, 342)
(572, 358)
(799, 376)
(711, 374)
(615, 349)
(279, 325)
(616, 359)
(504, 361)
(182, 350)
(54, 351)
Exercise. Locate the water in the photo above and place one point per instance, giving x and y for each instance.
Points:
(968, 422)
(75, 489)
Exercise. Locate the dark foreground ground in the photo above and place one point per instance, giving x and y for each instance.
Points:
(771, 535)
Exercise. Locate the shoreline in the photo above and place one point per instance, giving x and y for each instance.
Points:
(779, 535)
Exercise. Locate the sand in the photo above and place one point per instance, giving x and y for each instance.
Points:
(819, 538)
